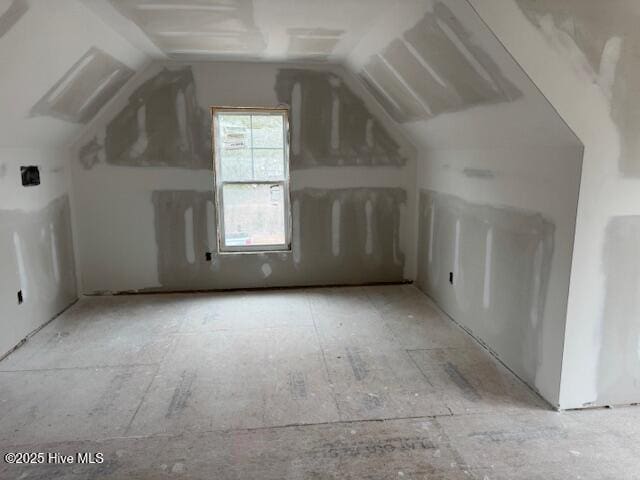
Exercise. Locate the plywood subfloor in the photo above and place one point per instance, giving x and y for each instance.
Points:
(330, 383)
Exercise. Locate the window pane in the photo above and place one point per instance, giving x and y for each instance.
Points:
(268, 131)
(269, 164)
(235, 131)
(253, 215)
(236, 164)
(234, 145)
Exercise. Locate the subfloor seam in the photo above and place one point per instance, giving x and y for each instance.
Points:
(86, 367)
(146, 390)
(324, 357)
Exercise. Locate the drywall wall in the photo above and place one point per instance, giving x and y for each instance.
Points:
(501, 221)
(36, 247)
(618, 373)
(498, 177)
(492, 263)
(60, 67)
(143, 175)
(583, 56)
(345, 236)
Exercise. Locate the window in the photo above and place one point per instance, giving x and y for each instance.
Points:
(252, 179)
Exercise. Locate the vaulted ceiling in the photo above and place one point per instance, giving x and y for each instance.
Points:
(420, 59)
(272, 30)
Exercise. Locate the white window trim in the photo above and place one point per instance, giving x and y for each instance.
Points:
(219, 183)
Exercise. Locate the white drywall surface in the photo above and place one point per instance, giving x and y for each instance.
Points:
(36, 52)
(37, 253)
(605, 193)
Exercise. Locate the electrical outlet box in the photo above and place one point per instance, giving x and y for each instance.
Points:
(30, 176)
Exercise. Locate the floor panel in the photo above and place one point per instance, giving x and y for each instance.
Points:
(329, 383)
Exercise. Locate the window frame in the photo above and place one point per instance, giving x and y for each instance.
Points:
(219, 183)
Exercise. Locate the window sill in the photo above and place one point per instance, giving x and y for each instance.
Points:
(253, 252)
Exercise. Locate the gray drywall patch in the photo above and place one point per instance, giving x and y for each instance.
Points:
(43, 251)
(319, 262)
(619, 357)
(428, 87)
(435, 67)
(88, 85)
(90, 153)
(501, 259)
(406, 104)
(317, 100)
(312, 43)
(162, 125)
(12, 14)
(587, 23)
(197, 27)
(603, 41)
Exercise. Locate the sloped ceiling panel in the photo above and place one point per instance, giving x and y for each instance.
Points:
(197, 27)
(274, 30)
(12, 15)
(85, 88)
(60, 66)
(435, 67)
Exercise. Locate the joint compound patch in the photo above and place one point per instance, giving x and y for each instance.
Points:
(161, 126)
(312, 260)
(197, 28)
(500, 258)
(599, 40)
(12, 15)
(330, 124)
(41, 247)
(88, 85)
(312, 43)
(266, 270)
(435, 67)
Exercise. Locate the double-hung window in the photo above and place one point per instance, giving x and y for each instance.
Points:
(252, 179)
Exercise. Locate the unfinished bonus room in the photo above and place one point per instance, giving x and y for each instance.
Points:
(349, 239)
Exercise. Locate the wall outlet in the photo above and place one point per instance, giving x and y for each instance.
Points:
(20, 300)
(207, 256)
(451, 278)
